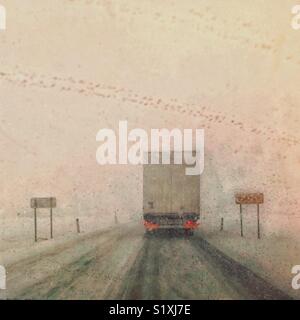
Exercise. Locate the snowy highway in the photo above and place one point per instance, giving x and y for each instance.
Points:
(124, 263)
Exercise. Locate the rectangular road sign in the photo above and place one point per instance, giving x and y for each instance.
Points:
(249, 198)
(43, 202)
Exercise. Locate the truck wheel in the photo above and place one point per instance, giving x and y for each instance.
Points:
(148, 233)
(189, 232)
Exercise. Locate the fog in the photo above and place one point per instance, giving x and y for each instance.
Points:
(70, 68)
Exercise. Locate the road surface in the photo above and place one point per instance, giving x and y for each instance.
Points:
(124, 263)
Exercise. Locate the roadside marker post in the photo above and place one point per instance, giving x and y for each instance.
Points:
(222, 224)
(77, 225)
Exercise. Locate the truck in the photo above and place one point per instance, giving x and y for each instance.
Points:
(171, 199)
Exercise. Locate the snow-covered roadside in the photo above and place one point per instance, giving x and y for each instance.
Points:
(272, 257)
(17, 235)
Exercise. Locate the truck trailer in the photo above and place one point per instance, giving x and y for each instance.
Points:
(171, 199)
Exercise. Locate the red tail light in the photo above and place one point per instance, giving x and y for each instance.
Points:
(191, 224)
(150, 225)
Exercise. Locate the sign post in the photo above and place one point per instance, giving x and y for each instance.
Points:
(35, 226)
(241, 218)
(258, 225)
(51, 224)
(249, 198)
(43, 203)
